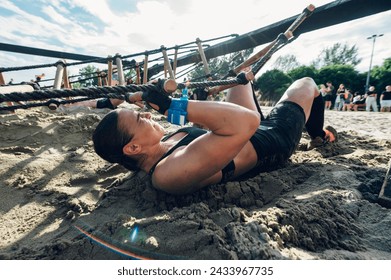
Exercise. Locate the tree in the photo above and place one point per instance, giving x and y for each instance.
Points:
(381, 75)
(88, 76)
(132, 73)
(340, 74)
(273, 84)
(338, 54)
(286, 63)
(220, 66)
(303, 71)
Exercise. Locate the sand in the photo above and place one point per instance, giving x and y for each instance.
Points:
(59, 200)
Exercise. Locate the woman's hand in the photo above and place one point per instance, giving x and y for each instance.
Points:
(157, 98)
(135, 98)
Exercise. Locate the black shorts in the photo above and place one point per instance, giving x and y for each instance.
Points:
(277, 137)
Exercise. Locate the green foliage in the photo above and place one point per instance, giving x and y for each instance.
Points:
(286, 63)
(273, 84)
(340, 74)
(302, 71)
(381, 75)
(76, 85)
(88, 76)
(336, 64)
(339, 54)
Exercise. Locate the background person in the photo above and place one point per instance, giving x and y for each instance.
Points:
(385, 100)
(371, 101)
(339, 98)
(329, 95)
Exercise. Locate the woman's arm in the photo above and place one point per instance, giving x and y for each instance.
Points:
(198, 164)
(192, 166)
(189, 168)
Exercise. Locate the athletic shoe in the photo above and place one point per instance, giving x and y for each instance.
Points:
(330, 137)
(331, 134)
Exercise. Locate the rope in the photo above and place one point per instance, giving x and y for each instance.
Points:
(155, 51)
(9, 69)
(116, 92)
(234, 81)
(85, 79)
(39, 104)
(281, 41)
(185, 71)
(119, 91)
(29, 67)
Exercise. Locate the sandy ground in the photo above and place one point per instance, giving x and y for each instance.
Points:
(59, 200)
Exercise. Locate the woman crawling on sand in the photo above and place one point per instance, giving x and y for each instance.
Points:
(237, 144)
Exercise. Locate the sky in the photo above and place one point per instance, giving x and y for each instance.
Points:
(109, 27)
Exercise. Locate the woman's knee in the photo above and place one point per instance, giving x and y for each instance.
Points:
(308, 80)
(304, 87)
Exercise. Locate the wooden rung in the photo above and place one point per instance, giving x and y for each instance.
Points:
(16, 88)
(138, 74)
(203, 57)
(109, 70)
(2, 81)
(145, 77)
(167, 63)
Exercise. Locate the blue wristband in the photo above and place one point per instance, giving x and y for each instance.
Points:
(177, 113)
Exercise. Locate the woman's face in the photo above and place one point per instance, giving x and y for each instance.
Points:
(140, 125)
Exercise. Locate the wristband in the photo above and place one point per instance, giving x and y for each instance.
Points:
(177, 113)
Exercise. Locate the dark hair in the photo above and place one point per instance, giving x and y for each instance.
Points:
(109, 141)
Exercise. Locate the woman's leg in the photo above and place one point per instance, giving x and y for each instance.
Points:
(367, 105)
(243, 96)
(374, 105)
(305, 93)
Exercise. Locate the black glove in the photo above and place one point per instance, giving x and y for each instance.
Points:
(241, 78)
(157, 97)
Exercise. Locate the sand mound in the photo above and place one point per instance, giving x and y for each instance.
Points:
(59, 200)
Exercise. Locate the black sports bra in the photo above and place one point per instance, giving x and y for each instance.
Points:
(194, 133)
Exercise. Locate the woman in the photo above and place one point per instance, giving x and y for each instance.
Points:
(385, 100)
(347, 99)
(358, 101)
(339, 99)
(371, 99)
(235, 145)
(329, 95)
(323, 91)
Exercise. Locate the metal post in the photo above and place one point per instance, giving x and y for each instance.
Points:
(373, 37)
